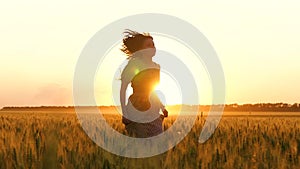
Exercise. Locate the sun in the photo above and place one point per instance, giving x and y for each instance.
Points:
(168, 90)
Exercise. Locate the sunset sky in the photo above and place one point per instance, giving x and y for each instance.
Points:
(257, 43)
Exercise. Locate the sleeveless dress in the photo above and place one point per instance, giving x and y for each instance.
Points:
(143, 105)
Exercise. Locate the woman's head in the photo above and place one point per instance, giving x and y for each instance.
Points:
(134, 41)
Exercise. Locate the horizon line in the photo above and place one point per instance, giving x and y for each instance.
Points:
(36, 106)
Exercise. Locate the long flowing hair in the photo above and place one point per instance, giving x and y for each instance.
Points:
(133, 41)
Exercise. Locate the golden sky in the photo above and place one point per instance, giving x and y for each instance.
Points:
(257, 43)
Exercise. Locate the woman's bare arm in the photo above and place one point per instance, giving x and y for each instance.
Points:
(123, 95)
(123, 101)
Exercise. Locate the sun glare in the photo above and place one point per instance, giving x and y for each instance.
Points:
(168, 90)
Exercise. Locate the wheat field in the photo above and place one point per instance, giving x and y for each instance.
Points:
(56, 140)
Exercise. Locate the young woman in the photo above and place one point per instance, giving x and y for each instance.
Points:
(141, 114)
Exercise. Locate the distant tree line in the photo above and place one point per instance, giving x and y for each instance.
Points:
(47, 108)
(36, 108)
(280, 107)
(265, 107)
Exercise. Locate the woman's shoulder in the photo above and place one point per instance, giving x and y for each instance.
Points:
(134, 65)
(129, 70)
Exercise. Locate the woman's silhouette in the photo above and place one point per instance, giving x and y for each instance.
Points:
(141, 114)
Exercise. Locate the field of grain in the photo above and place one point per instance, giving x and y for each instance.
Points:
(56, 140)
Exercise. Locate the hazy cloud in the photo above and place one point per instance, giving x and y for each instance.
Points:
(53, 94)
